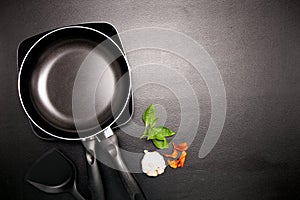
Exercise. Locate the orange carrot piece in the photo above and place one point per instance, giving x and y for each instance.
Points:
(178, 163)
(174, 154)
(181, 147)
(181, 159)
(173, 163)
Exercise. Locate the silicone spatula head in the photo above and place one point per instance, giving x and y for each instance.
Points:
(52, 173)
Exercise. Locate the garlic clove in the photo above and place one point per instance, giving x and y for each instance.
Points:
(152, 173)
(153, 163)
(160, 171)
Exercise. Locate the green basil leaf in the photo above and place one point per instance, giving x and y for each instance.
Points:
(151, 133)
(159, 136)
(164, 132)
(149, 116)
(161, 144)
(156, 134)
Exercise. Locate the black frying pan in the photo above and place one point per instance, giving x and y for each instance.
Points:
(70, 66)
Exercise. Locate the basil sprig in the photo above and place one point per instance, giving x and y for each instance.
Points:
(156, 134)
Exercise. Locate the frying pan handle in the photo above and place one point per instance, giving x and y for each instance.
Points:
(110, 145)
(94, 175)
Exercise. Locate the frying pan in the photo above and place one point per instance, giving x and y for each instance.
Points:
(52, 70)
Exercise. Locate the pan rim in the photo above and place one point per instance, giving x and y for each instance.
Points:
(44, 36)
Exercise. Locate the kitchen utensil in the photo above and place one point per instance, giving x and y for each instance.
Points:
(54, 173)
(94, 183)
(103, 27)
(46, 81)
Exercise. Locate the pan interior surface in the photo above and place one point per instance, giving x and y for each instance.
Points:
(73, 66)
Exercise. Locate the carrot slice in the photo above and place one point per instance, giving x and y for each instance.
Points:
(181, 159)
(181, 147)
(178, 163)
(174, 154)
(173, 163)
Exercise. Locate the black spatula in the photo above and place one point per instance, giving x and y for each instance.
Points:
(54, 173)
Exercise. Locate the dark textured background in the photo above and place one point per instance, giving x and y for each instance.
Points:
(256, 46)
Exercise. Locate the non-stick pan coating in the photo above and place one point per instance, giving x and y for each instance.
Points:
(47, 77)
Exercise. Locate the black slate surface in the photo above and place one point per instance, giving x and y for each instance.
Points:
(255, 45)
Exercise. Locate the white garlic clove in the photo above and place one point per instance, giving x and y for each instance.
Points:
(152, 173)
(160, 171)
(153, 163)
